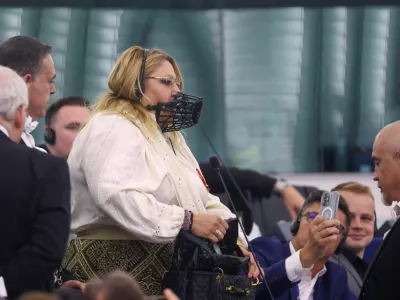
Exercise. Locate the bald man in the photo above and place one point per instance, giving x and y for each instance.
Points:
(383, 275)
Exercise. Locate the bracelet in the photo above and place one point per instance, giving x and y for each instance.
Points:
(186, 220)
(191, 221)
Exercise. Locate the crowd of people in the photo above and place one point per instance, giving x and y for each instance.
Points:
(114, 185)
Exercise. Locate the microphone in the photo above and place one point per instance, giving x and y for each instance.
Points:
(215, 164)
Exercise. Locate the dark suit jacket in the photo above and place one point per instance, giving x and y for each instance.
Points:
(257, 184)
(271, 254)
(383, 276)
(354, 266)
(34, 216)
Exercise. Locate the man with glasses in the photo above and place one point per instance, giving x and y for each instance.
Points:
(300, 268)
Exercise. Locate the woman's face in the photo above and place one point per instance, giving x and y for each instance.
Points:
(161, 85)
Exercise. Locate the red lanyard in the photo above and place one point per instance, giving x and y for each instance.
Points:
(203, 179)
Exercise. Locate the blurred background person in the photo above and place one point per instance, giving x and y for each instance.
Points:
(62, 122)
(32, 60)
(135, 182)
(258, 185)
(35, 201)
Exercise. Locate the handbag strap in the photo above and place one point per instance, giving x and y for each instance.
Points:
(194, 239)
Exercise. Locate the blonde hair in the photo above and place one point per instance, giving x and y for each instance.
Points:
(354, 187)
(124, 79)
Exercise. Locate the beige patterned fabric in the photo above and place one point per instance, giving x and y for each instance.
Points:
(147, 262)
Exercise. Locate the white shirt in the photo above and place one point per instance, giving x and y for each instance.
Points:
(26, 136)
(396, 211)
(295, 272)
(4, 130)
(121, 177)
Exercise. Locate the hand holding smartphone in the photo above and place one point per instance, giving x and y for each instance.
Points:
(329, 205)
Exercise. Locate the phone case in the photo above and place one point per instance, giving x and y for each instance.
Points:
(329, 205)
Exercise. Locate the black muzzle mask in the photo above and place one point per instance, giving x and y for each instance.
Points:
(183, 111)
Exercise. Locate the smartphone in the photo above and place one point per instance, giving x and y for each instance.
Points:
(329, 205)
(161, 297)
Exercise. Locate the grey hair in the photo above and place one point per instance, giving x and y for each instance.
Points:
(13, 93)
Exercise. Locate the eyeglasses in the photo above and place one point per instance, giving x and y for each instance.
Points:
(167, 81)
(311, 215)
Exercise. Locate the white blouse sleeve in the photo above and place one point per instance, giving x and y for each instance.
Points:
(121, 183)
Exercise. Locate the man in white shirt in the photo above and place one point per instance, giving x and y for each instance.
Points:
(300, 268)
(32, 60)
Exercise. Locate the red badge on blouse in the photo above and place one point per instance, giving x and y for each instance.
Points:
(203, 179)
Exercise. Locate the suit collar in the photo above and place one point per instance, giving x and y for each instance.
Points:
(286, 249)
(4, 131)
(3, 136)
(44, 146)
(377, 253)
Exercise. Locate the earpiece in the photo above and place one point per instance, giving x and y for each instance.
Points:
(50, 136)
(296, 224)
(139, 89)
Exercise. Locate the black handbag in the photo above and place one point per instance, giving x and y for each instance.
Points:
(198, 273)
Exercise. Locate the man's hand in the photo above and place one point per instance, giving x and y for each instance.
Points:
(292, 200)
(322, 232)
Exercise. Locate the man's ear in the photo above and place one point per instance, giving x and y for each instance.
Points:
(27, 78)
(20, 115)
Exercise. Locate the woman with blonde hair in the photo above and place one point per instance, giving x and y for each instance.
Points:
(135, 183)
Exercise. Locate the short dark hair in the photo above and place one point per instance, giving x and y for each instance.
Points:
(68, 101)
(23, 54)
(316, 196)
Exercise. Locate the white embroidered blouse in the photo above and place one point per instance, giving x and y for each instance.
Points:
(121, 176)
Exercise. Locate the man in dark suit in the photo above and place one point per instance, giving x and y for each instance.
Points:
(34, 202)
(300, 269)
(382, 278)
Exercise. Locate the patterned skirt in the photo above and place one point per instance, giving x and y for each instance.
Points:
(146, 262)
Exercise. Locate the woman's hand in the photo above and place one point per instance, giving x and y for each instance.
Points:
(253, 269)
(169, 295)
(209, 226)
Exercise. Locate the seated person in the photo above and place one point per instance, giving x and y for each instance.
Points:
(300, 268)
(360, 200)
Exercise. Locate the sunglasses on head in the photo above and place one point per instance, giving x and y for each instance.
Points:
(311, 215)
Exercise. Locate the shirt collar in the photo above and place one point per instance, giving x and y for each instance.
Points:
(396, 208)
(293, 251)
(30, 125)
(4, 130)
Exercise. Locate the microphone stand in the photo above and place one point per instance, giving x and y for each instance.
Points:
(216, 166)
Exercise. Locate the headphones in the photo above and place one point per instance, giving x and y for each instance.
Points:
(296, 226)
(139, 89)
(50, 136)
